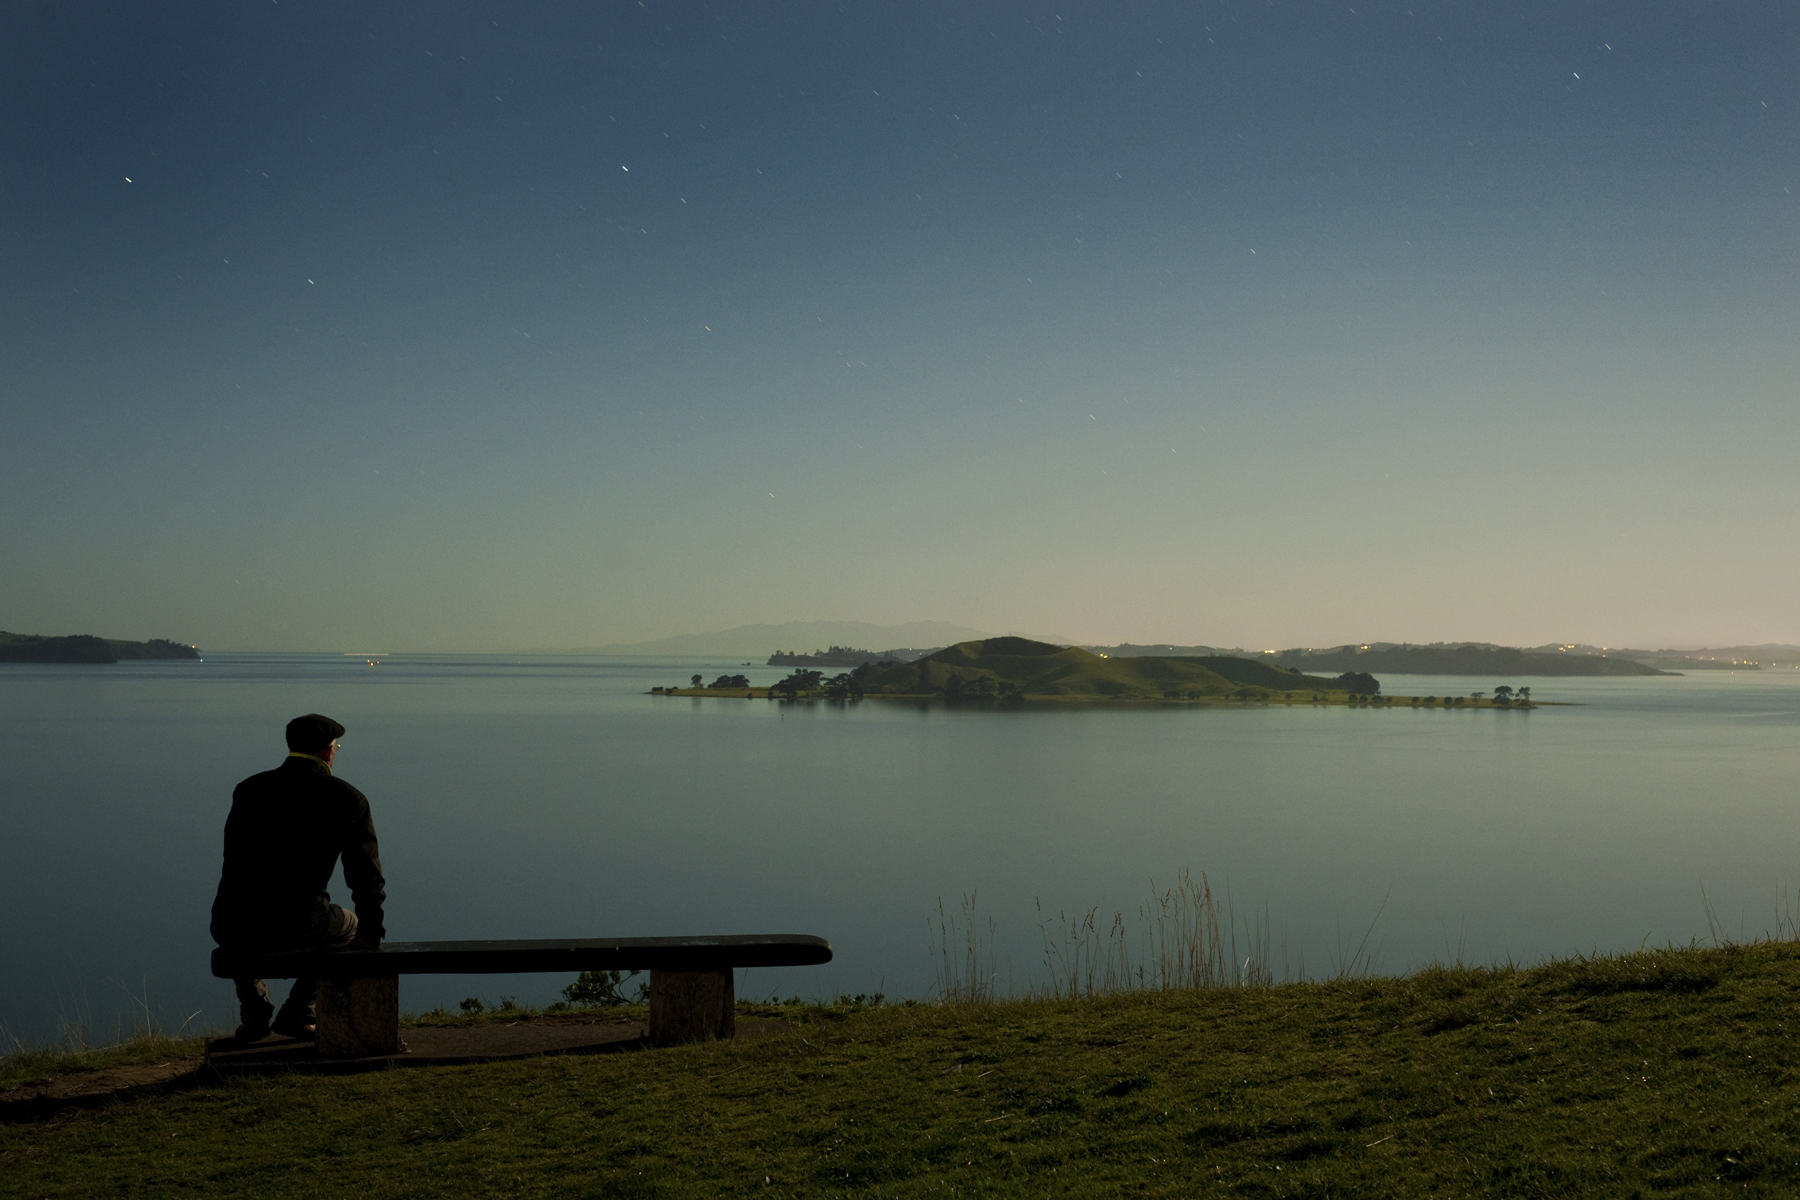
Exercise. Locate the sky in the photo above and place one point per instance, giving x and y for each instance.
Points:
(470, 326)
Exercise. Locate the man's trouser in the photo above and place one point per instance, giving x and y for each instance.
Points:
(254, 1006)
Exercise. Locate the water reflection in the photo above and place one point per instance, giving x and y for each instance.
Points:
(534, 797)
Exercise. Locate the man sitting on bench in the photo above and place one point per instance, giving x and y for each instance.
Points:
(284, 836)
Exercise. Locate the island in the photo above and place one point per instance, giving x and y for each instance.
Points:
(86, 648)
(1015, 670)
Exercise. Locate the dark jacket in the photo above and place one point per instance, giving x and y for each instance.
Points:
(286, 830)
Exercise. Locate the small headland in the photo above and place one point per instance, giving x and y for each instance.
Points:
(1662, 1072)
(1018, 671)
(86, 648)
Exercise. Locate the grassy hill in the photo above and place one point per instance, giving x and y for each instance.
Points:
(1019, 666)
(1667, 1072)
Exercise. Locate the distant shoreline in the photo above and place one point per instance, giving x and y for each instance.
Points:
(1467, 661)
(86, 648)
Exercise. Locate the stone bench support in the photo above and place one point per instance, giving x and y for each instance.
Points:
(359, 1017)
(692, 1006)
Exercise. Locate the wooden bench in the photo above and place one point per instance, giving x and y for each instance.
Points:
(692, 996)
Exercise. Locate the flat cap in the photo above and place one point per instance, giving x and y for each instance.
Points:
(312, 732)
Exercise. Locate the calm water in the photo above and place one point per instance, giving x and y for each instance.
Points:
(549, 797)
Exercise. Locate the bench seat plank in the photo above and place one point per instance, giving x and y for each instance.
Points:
(569, 955)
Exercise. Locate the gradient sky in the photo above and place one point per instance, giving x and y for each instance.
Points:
(462, 326)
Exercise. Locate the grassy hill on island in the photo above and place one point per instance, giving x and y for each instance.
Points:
(86, 648)
(1015, 669)
(1013, 666)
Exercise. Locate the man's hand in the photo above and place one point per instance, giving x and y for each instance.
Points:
(360, 943)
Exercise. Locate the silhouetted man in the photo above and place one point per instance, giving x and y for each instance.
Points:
(286, 831)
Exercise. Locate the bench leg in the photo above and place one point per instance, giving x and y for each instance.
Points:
(692, 1006)
(359, 1017)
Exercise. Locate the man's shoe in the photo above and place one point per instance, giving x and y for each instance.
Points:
(251, 1032)
(299, 1028)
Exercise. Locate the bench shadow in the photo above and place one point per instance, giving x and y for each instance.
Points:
(431, 1046)
(52, 1101)
(428, 1046)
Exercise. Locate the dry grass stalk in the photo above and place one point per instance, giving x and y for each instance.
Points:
(965, 965)
(1183, 945)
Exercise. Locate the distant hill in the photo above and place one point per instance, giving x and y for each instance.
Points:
(845, 656)
(1493, 662)
(86, 648)
(1722, 658)
(1679, 663)
(1766, 652)
(760, 641)
(1019, 666)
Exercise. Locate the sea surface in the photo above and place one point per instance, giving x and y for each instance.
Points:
(526, 797)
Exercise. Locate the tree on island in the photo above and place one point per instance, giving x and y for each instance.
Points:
(1503, 695)
(1525, 695)
(844, 687)
(802, 680)
(730, 681)
(697, 680)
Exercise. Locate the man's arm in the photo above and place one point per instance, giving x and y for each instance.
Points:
(362, 871)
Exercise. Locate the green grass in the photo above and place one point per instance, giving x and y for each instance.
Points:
(1664, 1073)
